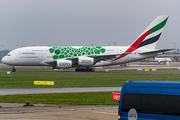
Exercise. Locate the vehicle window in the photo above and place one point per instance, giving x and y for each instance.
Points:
(131, 101)
(173, 105)
(154, 104)
(8, 55)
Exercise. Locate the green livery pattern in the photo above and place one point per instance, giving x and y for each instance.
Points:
(68, 51)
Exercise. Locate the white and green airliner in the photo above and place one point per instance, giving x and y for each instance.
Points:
(85, 58)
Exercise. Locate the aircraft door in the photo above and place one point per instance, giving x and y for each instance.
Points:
(41, 56)
(16, 57)
(117, 50)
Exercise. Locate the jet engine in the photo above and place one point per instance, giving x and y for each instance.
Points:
(64, 63)
(85, 61)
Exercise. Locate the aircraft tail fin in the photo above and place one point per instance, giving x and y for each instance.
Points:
(150, 36)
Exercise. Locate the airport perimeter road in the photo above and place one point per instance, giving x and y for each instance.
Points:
(15, 91)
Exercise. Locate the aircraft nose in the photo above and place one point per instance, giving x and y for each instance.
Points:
(4, 60)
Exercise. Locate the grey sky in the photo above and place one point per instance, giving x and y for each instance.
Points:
(82, 22)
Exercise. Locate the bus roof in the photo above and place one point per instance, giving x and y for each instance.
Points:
(152, 87)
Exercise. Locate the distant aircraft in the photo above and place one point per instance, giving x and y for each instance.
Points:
(159, 60)
(85, 58)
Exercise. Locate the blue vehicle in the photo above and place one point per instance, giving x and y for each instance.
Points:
(149, 100)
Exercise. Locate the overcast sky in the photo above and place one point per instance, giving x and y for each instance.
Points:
(82, 22)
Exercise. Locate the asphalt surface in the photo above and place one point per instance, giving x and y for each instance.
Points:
(109, 72)
(14, 91)
(16, 111)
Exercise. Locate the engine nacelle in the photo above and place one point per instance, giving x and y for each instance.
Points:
(85, 61)
(64, 63)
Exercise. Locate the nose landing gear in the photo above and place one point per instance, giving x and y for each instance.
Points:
(13, 69)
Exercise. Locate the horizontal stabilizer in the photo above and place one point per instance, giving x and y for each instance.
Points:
(156, 51)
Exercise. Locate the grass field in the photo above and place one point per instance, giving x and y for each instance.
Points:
(92, 98)
(17, 80)
(76, 80)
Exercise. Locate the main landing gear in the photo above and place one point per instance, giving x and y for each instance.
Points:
(13, 69)
(84, 70)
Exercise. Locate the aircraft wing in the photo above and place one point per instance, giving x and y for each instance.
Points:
(156, 51)
(97, 58)
(104, 57)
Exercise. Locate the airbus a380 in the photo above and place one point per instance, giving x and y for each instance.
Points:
(85, 58)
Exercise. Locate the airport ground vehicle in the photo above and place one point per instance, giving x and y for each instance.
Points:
(150, 100)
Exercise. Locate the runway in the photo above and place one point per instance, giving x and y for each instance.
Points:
(15, 91)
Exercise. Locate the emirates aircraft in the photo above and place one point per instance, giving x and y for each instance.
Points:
(85, 58)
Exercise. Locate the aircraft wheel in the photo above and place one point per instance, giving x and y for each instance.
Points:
(13, 70)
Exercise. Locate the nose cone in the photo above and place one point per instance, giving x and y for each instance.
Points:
(4, 60)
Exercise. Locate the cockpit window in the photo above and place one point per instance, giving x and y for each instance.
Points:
(8, 55)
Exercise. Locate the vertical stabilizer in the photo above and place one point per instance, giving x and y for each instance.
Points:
(149, 38)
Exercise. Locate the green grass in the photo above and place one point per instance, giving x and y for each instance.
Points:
(76, 80)
(17, 80)
(163, 69)
(60, 80)
(116, 70)
(88, 98)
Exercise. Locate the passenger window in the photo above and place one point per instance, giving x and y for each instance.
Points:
(173, 105)
(154, 104)
(131, 101)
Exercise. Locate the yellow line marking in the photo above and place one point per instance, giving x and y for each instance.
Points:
(95, 112)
